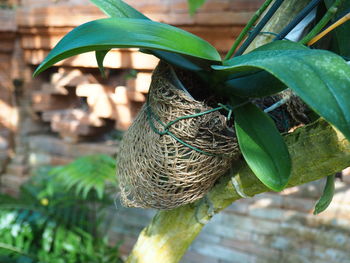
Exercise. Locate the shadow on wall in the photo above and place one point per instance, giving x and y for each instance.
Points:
(281, 228)
(269, 228)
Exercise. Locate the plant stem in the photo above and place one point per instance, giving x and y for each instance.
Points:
(297, 19)
(259, 26)
(246, 29)
(323, 22)
(329, 29)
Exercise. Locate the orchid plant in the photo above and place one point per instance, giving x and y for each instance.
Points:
(321, 78)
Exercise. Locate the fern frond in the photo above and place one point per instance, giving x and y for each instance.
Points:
(6, 249)
(54, 223)
(88, 174)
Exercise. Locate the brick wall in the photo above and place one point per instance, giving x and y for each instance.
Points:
(69, 111)
(268, 228)
(7, 112)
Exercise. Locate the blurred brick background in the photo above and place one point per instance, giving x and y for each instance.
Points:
(70, 111)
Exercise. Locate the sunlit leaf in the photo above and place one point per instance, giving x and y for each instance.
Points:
(319, 77)
(118, 8)
(104, 34)
(326, 197)
(262, 146)
(259, 84)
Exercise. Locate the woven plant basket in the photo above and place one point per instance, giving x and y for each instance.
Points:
(166, 170)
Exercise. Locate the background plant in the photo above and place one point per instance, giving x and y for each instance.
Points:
(58, 214)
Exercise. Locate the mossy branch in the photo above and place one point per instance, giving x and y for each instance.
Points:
(317, 150)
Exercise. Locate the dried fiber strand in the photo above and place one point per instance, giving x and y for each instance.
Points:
(157, 171)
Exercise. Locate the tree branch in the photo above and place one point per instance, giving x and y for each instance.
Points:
(317, 150)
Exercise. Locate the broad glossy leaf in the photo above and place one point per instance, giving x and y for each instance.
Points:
(275, 45)
(104, 34)
(261, 83)
(256, 85)
(341, 41)
(262, 146)
(280, 45)
(114, 8)
(118, 8)
(326, 197)
(321, 78)
(184, 61)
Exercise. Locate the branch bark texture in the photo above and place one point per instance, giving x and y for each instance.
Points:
(317, 150)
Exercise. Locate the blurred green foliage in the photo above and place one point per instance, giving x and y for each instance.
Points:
(58, 215)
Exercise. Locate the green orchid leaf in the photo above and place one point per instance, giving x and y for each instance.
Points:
(104, 34)
(281, 45)
(262, 146)
(340, 43)
(100, 55)
(193, 5)
(118, 8)
(261, 83)
(321, 78)
(114, 8)
(326, 197)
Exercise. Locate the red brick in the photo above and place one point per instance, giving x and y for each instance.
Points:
(141, 83)
(90, 90)
(17, 169)
(58, 16)
(194, 257)
(41, 41)
(8, 20)
(245, 5)
(54, 89)
(43, 101)
(73, 114)
(151, 6)
(60, 160)
(71, 78)
(251, 248)
(346, 175)
(10, 184)
(298, 204)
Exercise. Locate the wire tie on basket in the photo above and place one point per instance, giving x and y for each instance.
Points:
(263, 32)
(151, 115)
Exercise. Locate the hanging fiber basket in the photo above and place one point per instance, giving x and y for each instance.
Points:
(175, 150)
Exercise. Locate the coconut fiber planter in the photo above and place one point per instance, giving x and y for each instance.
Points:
(165, 166)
